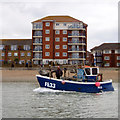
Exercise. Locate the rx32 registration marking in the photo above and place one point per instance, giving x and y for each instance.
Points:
(50, 85)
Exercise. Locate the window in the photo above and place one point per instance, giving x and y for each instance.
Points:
(57, 46)
(47, 46)
(28, 54)
(47, 39)
(15, 54)
(13, 47)
(37, 33)
(2, 54)
(57, 39)
(57, 54)
(47, 31)
(118, 57)
(106, 51)
(57, 32)
(107, 64)
(87, 70)
(64, 46)
(64, 31)
(57, 24)
(64, 24)
(94, 71)
(2, 47)
(9, 54)
(22, 54)
(107, 58)
(118, 64)
(47, 24)
(36, 62)
(64, 54)
(64, 39)
(47, 54)
(26, 47)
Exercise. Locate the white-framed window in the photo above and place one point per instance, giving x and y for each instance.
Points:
(64, 31)
(57, 46)
(9, 54)
(106, 58)
(26, 47)
(118, 57)
(2, 54)
(15, 54)
(47, 54)
(47, 46)
(64, 46)
(47, 31)
(22, 54)
(13, 47)
(107, 64)
(28, 54)
(57, 54)
(57, 24)
(57, 39)
(64, 54)
(64, 24)
(47, 38)
(2, 47)
(47, 24)
(57, 32)
(64, 39)
(117, 51)
(106, 51)
(118, 64)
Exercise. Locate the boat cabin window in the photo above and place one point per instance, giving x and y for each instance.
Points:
(87, 70)
(94, 71)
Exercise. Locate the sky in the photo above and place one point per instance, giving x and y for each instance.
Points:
(100, 15)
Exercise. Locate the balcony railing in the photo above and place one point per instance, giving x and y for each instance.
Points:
(76, 34)
(76, 26)
(76, 49)
(37, 56)
(76, 42)
(37, 49)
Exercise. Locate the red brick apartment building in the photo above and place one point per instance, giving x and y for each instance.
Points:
(61, 39)
(15, 49)
(107, 54)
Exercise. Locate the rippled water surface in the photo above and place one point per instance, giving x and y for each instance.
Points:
(27, 100)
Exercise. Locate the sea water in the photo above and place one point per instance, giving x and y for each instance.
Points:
(28, 100)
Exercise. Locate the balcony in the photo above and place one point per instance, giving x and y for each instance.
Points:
(76, 50)
(76, 27)
(76, 43)
(76, 35)
(37, 50)
(37, 43)
(76, 58)
(98, 55)
(37, 58)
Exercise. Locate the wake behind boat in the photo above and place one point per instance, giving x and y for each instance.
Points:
(88, 79)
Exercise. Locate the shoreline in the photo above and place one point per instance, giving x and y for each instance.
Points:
(26, 75)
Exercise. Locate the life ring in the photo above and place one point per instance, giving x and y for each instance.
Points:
(99, 76)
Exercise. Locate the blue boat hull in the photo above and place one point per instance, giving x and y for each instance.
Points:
(59, 84)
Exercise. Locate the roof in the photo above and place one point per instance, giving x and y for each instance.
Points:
(107, 46)
(16, 41)
(63, 18)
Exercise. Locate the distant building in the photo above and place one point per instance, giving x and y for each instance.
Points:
(13, 50)
(107, 54)
(61, 39)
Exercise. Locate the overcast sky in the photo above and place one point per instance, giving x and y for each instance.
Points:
(100, 15)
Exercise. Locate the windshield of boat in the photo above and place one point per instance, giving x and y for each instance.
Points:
(87, 70)
(94, 71)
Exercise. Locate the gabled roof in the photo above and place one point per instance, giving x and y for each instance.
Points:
(16, 41)
(63, 18)
(107, 46)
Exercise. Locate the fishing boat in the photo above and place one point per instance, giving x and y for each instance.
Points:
(88, 79)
